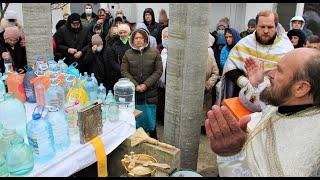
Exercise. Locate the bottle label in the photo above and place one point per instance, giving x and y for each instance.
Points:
(34, 143)
(29, 92)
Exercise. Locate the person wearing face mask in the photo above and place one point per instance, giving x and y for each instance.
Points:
(112, 36)
(11, 19)
(93, 61)
(115, 53)
(72, 40)
(10, 49)
(97, 29)
(220, 41)
(88, 17)
(143, 66)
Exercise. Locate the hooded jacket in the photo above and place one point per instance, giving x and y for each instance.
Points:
(153, 41)
(143, 66)
(300, 34)
(227, 48)
(297, 18)
(67, 38)
(154, 28)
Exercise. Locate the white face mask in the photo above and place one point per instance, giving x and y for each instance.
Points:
(88, 11)
(99, 48)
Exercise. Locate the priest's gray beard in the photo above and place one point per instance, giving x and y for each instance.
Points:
(277, 95)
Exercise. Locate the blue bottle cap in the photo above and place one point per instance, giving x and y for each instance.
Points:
(36, 116)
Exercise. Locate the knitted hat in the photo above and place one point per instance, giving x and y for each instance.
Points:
(11, 32)
(124, 27)
(74, 18)
(252, 22)
(10, 14)
(96, 40)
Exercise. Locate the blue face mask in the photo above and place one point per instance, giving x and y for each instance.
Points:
(165, 43)
(221, 38)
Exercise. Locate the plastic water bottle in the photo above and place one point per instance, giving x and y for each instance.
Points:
(102, 94)
(40, 137)
(55, 98)
(124, 93)
(8, 135)
(111, 107)
(13, 114)
(28, 87)
(91, 89)
(19, 157)
(94, 79)
(63, 66)
(15, 85)
(85, 75)
(1, 130)
(3, 167)
(59, 124)
(2, 88)
(68, 83)
(40, 94)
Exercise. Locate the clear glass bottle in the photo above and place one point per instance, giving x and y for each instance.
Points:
(13, 114)
(19, 157)
(124, 93)
(112, 107)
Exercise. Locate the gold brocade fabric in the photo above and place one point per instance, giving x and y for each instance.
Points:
(282, 145)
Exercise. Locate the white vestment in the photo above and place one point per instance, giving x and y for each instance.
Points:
(278, 145)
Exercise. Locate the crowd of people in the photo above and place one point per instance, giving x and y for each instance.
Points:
(239, 64)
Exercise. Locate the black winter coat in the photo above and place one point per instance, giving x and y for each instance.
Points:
(93, 62)
(114, 56)
(18, 55)
(67, 38)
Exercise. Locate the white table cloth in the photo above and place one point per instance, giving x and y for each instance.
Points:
(78, 156)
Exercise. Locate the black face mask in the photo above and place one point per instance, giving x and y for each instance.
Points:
(11, 20)
(76, 30)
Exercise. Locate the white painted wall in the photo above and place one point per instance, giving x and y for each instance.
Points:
(156, 9)
(252, 9)
(16, 7)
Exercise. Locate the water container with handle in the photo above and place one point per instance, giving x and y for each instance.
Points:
(40, 137)
(19, 157)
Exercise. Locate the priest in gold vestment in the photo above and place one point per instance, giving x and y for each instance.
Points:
(283, 139)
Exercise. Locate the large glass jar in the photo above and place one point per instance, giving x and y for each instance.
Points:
(19, 157)
(124, 93)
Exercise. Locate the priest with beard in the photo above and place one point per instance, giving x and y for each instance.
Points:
(268, 44)
(283, 139)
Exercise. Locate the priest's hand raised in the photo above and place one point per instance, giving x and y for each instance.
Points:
(255, 71)
(226, 135)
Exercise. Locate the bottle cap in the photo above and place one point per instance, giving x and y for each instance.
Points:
(36, 116)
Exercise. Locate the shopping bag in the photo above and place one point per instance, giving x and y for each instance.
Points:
(147, 119)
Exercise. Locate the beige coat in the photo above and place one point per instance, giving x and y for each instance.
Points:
(212, 76)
